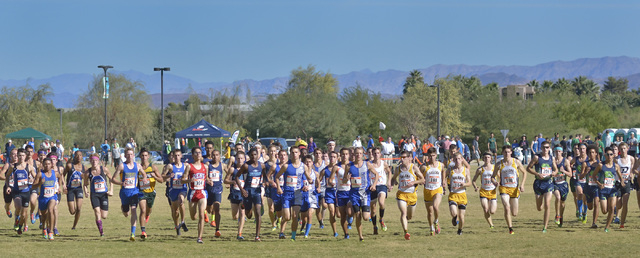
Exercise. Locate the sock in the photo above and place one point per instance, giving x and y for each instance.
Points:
(615, 211)
(306, 232)
(405, 231)
(433, 228)
(374, 221)
(585, 208)
(99, 224)
(510, 229)
(293, 234)
(350, 220)
(580, 206)
(143, 229)
(381, 213)
(133, 230)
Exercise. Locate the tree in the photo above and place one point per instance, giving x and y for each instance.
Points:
(615, 86)
(415, 79)
(129, 111)
(534, 83)
(562, 85)
(584, 86)
(365, 109)
(25, 106)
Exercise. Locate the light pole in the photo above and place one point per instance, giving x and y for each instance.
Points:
(162, 69)
(438, 86)
(106, 81)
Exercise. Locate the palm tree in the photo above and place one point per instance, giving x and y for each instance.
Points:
(415, 79)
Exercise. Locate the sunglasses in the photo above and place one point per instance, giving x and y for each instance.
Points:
(610, 154)
(404, 157)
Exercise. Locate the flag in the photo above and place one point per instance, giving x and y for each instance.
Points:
(234, 138)
(382, 126)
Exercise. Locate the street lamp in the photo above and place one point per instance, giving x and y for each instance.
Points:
(106, 81)
(162, 69)
(61, 133)
(438, 86)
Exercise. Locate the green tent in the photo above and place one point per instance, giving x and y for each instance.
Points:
(28, 133)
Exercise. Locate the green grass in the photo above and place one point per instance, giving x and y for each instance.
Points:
(574, 239)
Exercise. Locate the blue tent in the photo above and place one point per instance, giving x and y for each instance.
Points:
(203, 129)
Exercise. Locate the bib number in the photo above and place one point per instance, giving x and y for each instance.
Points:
(255, 182)
(356, 182)
(100, 187)
(23, 183)
(145, 184)
(198, 184)
(49, 192)
(75, 183)
(609, 182)
(546, 172)
(235, 187)
(129, 183)
(215, 175)
(177, 183)
(292, 181)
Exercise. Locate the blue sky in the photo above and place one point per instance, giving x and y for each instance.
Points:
(230, 40)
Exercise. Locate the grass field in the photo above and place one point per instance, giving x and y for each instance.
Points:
(574, 239)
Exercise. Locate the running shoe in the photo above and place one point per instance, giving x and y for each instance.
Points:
(33, 218)
(346, 236)
(454, 221)
(257, 239)
(37, 215)
(240, 238)
(146, 220)
(206, 218)
(407, 236)
(184, 227)
(578, 215)
(50, 236)
(9, 214)
(321, 225)
(544, 230)
(335, 234)
(437, 227)
(132, 238)
(26, 228)
(19, 230)
(55, 232)
(178, 230)
(384, 226)
(459, 232)
(511, 232)
(273, 229)
(621, 225)
(213, 223)
(594, 225)
(306, 236)
(432, 233)
(557, 220)
(40, 227)
(15, 226)
(349, 226)
(606, 230)
(199, 241)
(281, 236)
(492, 227)
(561, 222)
(44, 234)
(218, 233)
(616, 220)
(375, 230)
(361, 239)
(143, 235)
(584, 219)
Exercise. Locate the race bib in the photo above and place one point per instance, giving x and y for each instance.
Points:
(235, 186)
(486, 182)
(198, 184)
(255, 182)
(356, 182)
(75, 183)
(609, 182)
(177, 183)
(381, 181)
(49, 192)
(292, 181)
(129, 183)
(214, 175)
(434, 181)
(545, 172)
(625, 173)
(23, 183)
(145, 184)
(100, 186)
(281, 181)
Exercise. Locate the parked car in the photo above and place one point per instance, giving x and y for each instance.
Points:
(267, 141)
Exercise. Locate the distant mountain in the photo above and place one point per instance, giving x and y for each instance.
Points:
(67, 87)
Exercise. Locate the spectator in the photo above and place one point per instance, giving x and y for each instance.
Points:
(105, 151)
(524, 144)
(447, 144)
(32, 143)
(59, 150)
(73, 150)
(92, 150)
(357, 142)
(370, 143)
(8, 147)
(388, 149)
(491, 145)
(475, 149)
(115, 151)
(535, 146)
(633, 144)
(312, 145)
(45, 145)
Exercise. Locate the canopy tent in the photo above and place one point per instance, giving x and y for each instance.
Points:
(203, 129)
(28, 133)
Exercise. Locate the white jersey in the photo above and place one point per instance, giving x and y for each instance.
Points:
(404, 178)
(625, 169)
(508, 174)
(339, 176)
(486, 176)
(433, 176)
(382, 175)
(457, 180)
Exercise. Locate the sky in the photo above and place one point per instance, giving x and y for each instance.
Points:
(224, 41)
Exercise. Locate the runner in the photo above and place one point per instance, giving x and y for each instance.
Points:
(95, 182)
(382, 187)
(147, 187)
(7, 175)
(361, 187)
(236, 181)
(126, 175)
(488, 196)
(177, 190)
(605, 175)
(310, 202)
(46, 181)
(270, 166)
(561, 189)
(73, 173)
(60, 181)
(253, 172)
(592, 192)
(433, 173)
(626, 163)
(33, 197)
(577, 164)
(318, 166)
(295, 173)
(407, 180)
(545, 170)
(21, 190)
(196, 175)
(342, 191)
(510, 184)
(457, 181)
(330, 191)
(214, 190)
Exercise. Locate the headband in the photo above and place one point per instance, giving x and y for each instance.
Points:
(330, 142)
(94, 157)
(53, 157)
(559, 148)
(42, 152)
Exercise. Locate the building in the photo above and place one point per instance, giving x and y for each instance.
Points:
(517, 91)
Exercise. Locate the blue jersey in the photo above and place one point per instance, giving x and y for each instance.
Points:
(293, 177)
(253, 176)
(323, 182)
(176, 180)
(98, 184)
(215, 173)
(275, 172)
(21, 180)
(74, 179)
(592, 167)
(359, 177)
(48, 188)
(327, 175)
(130, 179)
(545, 168)
(235, 176)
